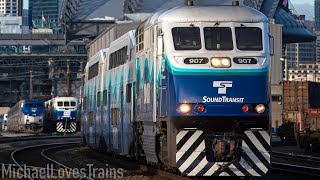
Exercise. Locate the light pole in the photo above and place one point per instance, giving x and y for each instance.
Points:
(31, 86)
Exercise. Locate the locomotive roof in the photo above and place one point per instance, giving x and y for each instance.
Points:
(209, 14)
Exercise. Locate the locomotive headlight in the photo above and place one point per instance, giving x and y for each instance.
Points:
(185, 108)
(216, 62)
(226, 62)
(260, 108)
(221, 62)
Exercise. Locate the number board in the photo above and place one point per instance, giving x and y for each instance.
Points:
(196, 60)
(245, 60)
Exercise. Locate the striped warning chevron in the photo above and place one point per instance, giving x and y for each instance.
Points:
(191, 156)
(71, 129)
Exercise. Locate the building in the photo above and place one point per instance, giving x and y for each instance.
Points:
(317, 14)
(317, 45)
(11, 7)
(45, 14)
(39, 66)
(305, 72)
(10, 25)
(26, 17)
(300, 53)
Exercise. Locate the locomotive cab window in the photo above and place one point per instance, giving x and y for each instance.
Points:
(186, 38)
(218, 38)
(73, 103)
(60, 104)
(66, 103)
(249, 38)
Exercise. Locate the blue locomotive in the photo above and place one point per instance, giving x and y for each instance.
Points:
(26, 116)
(187, 90)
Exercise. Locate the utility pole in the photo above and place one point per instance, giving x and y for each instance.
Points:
(31, 86)
(68, 78)
(51, 76)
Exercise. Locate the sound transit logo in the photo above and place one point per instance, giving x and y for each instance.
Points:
(222, 90)
(11, 171)
(222, 86)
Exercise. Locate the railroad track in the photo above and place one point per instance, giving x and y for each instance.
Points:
(32, 163)
(36, 158)
(296, 163)
(296, 157)
(296, 169)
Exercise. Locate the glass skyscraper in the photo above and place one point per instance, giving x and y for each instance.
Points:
(45, 14)
(317, 14)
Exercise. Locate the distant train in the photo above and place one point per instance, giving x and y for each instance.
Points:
(26, 116)
(187, 90)
(61, 114)
(4, 120)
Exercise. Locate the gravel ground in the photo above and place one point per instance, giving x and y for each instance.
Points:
(82, 156)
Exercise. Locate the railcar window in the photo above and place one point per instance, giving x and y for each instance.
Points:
(118, 58)
(186, 38)
(93, 71)
(218, 38)
(60, 103)
(90, 118)
(66, 103)
(73, 103)
(114, 116)
(105, 92)
(249, 38)
(84, 103)
(98, 99)
(140, 39)
(128, 90)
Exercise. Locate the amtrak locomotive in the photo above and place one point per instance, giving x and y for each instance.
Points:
(26, 116)
(187, 90)
(61, 114)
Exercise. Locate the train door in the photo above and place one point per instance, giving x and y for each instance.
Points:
(98, 121)
(104, 118)
(115, 119)
(92, 118)
(121, 134)
(109, 119)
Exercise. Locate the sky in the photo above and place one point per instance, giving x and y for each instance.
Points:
(304, 7)
(302, 1)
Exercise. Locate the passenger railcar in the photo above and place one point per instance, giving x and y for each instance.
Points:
(61, 114)
(26, 116)
(188, 90)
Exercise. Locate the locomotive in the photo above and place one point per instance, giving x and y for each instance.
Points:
(61, 115)
(187, 90)
(26, 116)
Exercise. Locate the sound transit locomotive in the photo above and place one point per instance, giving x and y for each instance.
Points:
(61, 114)
(188, 90)
(26, 116)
